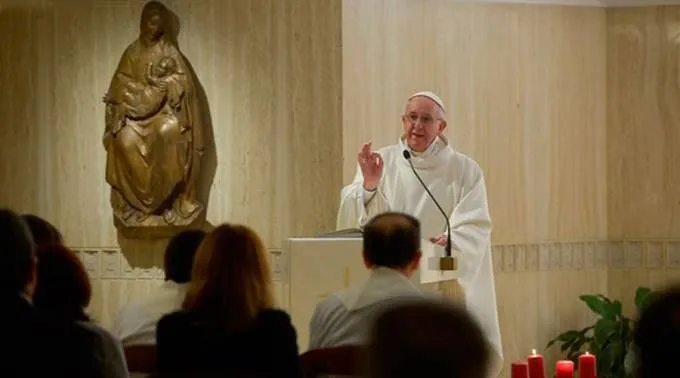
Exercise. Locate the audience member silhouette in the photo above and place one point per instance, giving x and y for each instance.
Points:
(228, 323)
(63, 293)
(427, 339)
(43, 232)
(657, 334)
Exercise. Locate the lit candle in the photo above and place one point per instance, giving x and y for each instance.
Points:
(564, 369)
(536, 365)
(520, 369)
(586, 366)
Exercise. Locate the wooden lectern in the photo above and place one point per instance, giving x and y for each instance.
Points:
(317, 267)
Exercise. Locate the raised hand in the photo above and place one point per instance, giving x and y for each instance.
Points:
(371, 164)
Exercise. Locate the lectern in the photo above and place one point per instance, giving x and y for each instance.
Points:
(317, 267)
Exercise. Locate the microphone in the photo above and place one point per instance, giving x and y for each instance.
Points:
(447, 262)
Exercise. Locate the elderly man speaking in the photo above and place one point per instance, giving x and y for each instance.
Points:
(385, 182)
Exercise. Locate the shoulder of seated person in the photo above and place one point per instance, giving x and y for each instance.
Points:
(274, 316)
(173, 317)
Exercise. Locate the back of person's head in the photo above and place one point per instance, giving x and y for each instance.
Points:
(63, 289)
(17, 254)
(230, 281)
(179, 255)
(657, 334)
(391, 240)
(427, 339)
(43, 232)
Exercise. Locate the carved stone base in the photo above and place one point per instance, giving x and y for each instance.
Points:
(158, 226)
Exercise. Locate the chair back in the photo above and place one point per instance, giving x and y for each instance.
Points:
(346, 360)
(140, 358)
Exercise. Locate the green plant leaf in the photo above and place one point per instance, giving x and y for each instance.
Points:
(598, 305)
(577, 346)
(604, 329)
(567, 345)
(626, 331)
(604, 299)
(573, 356)
(612, 357)
(617, 308)
(565, 337)
(642, 296)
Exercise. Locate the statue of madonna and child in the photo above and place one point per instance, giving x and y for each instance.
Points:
(154, 135)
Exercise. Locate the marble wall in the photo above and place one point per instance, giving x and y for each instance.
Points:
(643, 141)
(643, 122)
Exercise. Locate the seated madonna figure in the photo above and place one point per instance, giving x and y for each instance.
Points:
(227, 325)
(153, 135)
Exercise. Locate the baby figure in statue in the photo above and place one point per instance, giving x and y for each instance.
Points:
(143, 100)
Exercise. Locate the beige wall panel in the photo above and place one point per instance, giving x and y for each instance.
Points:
(643, 125)
(624, 282)
(525, 88)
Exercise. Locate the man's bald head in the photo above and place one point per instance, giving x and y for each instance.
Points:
(392, 240)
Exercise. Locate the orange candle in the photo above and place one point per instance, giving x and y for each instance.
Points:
(536, 365)
(564, 369)
(587, 366)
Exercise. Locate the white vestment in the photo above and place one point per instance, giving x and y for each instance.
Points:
(457, 182)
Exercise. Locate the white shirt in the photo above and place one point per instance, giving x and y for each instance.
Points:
(457, 182)
(344, 317)
(136, 322)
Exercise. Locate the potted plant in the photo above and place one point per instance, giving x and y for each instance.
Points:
(610, 338)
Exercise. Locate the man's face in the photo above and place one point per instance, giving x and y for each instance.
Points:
(422, 123)
(153, 28)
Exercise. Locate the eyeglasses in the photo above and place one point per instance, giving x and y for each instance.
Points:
(424, 119)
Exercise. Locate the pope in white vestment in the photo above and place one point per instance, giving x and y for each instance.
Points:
(385, 182)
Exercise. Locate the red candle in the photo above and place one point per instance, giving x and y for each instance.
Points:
(564, 369)
(536, 365)
(586, 366)
(520, 369)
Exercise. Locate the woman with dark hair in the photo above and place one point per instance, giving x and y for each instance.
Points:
(228, 323)
(63, 293)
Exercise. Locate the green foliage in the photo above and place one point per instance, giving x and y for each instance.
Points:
(609, 339)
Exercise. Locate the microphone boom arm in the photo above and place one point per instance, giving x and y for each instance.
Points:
(447, 249)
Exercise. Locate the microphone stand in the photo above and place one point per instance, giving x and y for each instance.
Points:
(447, 262)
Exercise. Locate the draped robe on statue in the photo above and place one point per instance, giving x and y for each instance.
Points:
(458, 184)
